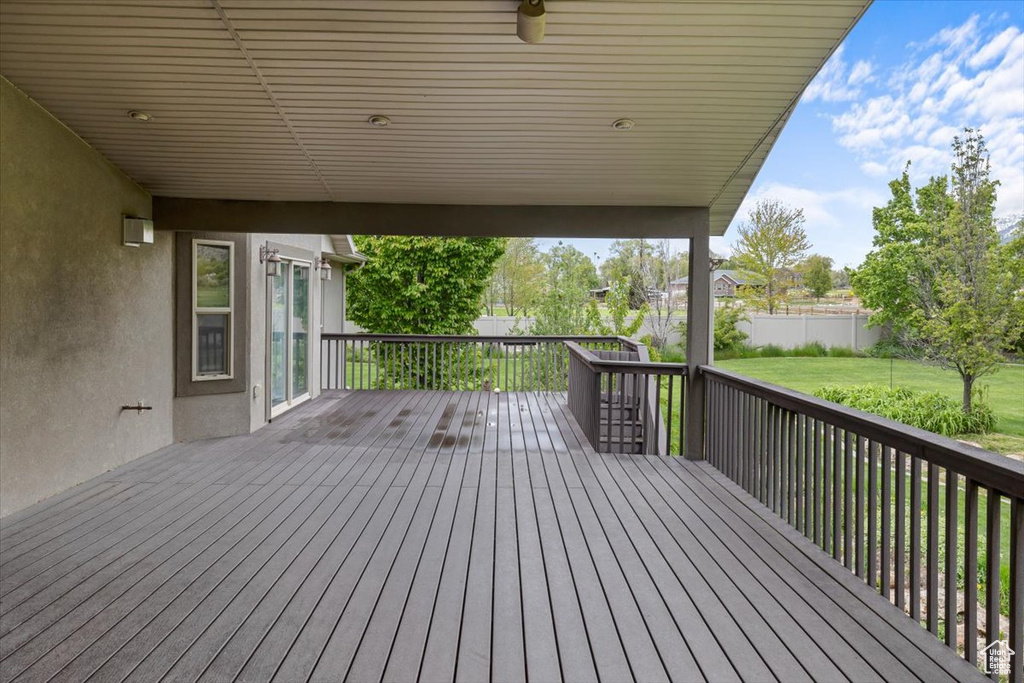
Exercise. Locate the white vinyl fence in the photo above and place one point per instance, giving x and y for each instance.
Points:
(787, 331)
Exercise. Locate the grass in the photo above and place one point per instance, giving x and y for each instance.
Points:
(1003, 391)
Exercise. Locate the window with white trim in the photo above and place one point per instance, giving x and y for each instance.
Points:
(213, 294)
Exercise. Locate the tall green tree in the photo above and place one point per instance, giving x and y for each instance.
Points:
(518, 279)
(562, 308)
(770, 243)
(421, 285)
(817, 272)
(938, 273)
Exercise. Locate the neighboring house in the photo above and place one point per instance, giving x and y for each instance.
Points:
(600, 293)
(727, 282)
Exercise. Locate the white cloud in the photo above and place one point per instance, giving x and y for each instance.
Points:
(961, 77)
(833, 84)
(860, 73)
(993, 48)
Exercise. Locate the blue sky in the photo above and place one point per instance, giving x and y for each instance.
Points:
(908, 77)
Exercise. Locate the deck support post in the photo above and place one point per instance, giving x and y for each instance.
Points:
(698, 339)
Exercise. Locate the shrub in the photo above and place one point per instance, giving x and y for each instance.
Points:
(928, 410)
(771, 351)
(727, 334)
(812, 350)
(843, 352)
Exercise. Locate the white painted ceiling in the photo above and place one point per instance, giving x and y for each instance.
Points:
(268, 99)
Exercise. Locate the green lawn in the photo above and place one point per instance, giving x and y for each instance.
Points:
(1004, 390)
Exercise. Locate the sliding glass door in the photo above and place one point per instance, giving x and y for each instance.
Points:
(289, 336)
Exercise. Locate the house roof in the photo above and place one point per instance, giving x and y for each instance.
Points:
(736, 276)
(345, 249)
(270, 101)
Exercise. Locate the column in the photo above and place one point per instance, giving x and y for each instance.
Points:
(698, 339)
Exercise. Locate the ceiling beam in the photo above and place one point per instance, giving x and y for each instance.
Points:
(222, 215)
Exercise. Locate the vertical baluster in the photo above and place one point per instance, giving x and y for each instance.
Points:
(952, 496)
(748, 472)
(932, 549)
(657, 421)
(872, 551)
(797, 440)
(860, 461)
(900, 542)
(810, 482)
(993, 558)
(608, 410)
(886, 502)
(826, 488)
(793, 446)
(837, 494)
(668, 416)
(769, 459)
(915, 538)
(622, 416)
(765, 452)
(971, 572)
(682, 411)
(1016, 588)
(849, 482)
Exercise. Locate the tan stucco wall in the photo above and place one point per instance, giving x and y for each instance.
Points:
(85, 323)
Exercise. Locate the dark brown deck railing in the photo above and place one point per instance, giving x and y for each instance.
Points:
(467, 362)
(884, 499)
(616, 397)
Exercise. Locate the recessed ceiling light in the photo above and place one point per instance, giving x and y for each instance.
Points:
(136, 115)
(623, 124)
(378, 120)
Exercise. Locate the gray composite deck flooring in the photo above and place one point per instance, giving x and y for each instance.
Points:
(432, 536)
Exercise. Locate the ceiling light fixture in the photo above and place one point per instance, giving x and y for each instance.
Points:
(530, 21)
(136, 115)
(378, 120)
(623, 124)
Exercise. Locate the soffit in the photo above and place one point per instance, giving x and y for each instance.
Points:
(256, 99)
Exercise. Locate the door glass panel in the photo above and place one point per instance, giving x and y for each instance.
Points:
(300, 329)
(278, 335)
(213, 276)
(212, 343)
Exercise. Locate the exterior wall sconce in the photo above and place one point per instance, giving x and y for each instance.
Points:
(324, 266)
(136, 232)
(716, 263)
(273, 261)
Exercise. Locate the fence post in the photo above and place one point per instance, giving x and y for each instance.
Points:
(698, 338)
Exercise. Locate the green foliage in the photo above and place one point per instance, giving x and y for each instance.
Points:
(770, 243)
(618, 302)
(928, 410)
(518, 279)
(817, 272)
(421, 285)
(727, 333)
(938, 273)
(653, 352)
(562, 308)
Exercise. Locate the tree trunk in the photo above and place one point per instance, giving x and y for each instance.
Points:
(968, 385)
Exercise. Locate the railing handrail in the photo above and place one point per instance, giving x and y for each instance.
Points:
(505, 339)
(991, 470)
(628, 367)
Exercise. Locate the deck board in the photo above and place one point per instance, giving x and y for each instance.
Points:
(434, 536)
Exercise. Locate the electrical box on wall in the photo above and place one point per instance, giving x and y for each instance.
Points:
(137, 231)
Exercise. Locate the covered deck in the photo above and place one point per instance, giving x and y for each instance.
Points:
(435, 536)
